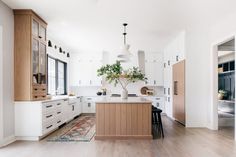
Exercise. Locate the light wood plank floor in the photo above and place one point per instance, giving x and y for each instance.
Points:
(178, 142)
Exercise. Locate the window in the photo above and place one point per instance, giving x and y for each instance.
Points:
(56, 76)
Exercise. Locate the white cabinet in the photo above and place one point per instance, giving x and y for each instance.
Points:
(154, 69)
(36, 119)
(89, 105)
(83, 70)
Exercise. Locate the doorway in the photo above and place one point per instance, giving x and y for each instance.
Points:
(226, 88)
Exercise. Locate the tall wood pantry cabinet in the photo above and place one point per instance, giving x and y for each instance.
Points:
(179, 91)
(30, 56)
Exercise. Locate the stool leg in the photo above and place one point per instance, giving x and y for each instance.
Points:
(161, 126)
(155, 118)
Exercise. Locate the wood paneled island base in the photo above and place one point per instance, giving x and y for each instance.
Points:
(123, 119)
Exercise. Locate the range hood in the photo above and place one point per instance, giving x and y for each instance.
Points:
(141, 60)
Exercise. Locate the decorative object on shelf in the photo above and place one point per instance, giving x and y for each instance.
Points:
(55, 46)
(124, 55)
(104, 91)
(116, 74)
(49, 43)
(99, 93)
(222, 94)
(60, 50)
(68, 55)
(143, 90)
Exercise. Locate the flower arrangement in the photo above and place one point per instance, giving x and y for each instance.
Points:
(114, 73)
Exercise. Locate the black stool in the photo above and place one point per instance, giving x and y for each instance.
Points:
(156, 119)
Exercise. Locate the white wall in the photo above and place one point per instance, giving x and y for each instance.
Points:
(199, 68)
(7, 76)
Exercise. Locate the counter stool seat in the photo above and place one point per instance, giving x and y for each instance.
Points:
(156, 119)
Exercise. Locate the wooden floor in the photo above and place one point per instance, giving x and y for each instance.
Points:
(178, 142)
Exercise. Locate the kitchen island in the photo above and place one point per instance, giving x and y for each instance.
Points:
(118, 118)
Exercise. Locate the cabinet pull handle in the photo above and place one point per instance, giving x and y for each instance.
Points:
(48, 106)
(49, 116)
(58, 104)
(49, 126)
(175, 87)
(89, 104)
(168, 91)
(58, 112)
(59, 121)
(40, 36)
(154, 81)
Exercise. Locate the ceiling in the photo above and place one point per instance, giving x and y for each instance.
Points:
(96, 25)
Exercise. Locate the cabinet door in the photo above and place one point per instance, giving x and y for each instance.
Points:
(35, 60)
(158, 73)
(42, 33)
(84, 73)
(95, 80)
(35, 28)
(148, 73)
(42, 63)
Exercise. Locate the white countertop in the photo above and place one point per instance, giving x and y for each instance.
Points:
(108, 100)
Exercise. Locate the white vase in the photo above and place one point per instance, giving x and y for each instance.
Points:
(124, 94)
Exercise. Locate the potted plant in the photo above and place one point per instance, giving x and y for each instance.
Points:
(222, 94)
(114, 73)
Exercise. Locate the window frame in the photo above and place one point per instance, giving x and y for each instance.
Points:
(56, 74)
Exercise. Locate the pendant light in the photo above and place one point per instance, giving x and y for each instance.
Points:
(124, 55)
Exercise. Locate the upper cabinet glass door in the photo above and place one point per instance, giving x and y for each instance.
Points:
(42, 33)
(35, 28)
(42, 63)
(35, 58)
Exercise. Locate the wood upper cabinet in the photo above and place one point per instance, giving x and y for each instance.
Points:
(30, 56)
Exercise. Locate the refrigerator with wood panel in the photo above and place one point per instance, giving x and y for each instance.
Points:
(179, 92)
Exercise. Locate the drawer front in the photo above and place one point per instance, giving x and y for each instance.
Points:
(48, 107)
(59, 121)
(39, 92)
(47, 127)
(39, 96)
(47, 117)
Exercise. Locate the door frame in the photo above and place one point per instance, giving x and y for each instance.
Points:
(214, 83)
(1, 84)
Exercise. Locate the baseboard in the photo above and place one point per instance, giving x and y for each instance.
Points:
(8, 140)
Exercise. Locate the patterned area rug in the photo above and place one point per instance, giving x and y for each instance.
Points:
(80, 129)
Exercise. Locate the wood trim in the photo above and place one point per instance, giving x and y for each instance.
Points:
(29, 12)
